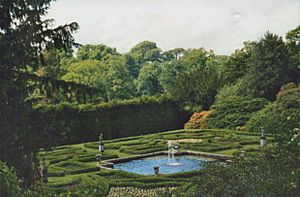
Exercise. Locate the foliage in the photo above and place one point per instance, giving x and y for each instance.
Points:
(148, 79)
(95, 52)
(141, 53)
(119, 82)
(281, 115)
(169, 71)
(9, 183)
(194, 80)
(111, 77)
(293, 46)
(193, 77)
(197, 89)
(90, 185)
(268, 118)
(233, 111)
(67, 123)
(79, 185)
(88, 72)
(73, 159)
(173, 54)
(236, 65)
(55, 62)
(268, 67)
(272, 173)
(198, 120)
(23, 35)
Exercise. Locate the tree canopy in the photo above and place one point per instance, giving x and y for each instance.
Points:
(24, 33)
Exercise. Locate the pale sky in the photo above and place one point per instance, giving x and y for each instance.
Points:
(220, 25)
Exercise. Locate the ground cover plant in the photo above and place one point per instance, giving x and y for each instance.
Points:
(72, 166)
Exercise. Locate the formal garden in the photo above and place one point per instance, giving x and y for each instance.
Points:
(69, 166)
(88, 120)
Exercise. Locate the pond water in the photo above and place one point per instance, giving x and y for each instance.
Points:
(166, 165)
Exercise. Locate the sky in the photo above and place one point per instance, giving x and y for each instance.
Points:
(220, 25)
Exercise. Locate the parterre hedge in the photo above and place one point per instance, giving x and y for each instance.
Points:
(69, 123)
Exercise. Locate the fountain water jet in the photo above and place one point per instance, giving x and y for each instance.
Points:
(172, 149)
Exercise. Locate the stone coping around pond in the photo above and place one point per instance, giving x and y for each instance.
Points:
(110, 162)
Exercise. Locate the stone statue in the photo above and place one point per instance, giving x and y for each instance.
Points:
(263, 140)
(44, 171)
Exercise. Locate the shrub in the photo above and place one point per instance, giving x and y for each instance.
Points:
(234, 111)
(266, 118)
(198, 120)
(87, 185)
(280, 116)
(9, 183)
(275, 172)
(91, 185)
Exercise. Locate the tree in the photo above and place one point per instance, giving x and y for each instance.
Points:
(293, 45)
(237, 64)
(176, 54)
(111, 76)
(194, 79)
(293, 40)
(268, 67)
(95, 52)
(169, 71)
(148, 80)
(55, 62)
(145, 51)
(87, 72)
(23, 35)
(91, 73)
(119, 81)
(197, 88)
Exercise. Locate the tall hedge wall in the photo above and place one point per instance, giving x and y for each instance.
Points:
(67, 123)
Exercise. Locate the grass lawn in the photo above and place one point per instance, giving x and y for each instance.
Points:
(68, 164)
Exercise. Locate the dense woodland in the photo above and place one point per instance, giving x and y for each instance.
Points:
(45, 75)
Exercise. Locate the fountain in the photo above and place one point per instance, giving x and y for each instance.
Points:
(164, 162)
(172, 149)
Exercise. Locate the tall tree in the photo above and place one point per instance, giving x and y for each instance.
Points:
(119, 81)
(145, 51)
(148, 80)
(87, 72)
(169, 71)
(23, 35)
(197, 88)
(194, 79)
(293, 45)
(96, 52)
(268, 67)
(176, 54)
(91, 73)
(237, 64)
(55, 62)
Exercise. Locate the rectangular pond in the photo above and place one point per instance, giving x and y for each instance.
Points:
(166, 164)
